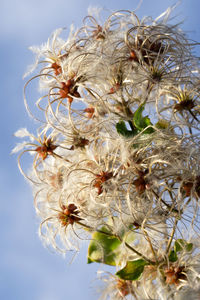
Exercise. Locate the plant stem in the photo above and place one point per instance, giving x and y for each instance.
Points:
(140, 254)
(171, 237)
(120, 239)
(151, 246)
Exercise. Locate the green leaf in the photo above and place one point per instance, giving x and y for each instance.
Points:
(162, 124)
(173, 256)
(189, 247)
(121, 129)
(181, 245)
(141, 122)
(132, 270)
(103, 248)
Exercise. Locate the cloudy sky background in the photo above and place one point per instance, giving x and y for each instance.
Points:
(28, 271)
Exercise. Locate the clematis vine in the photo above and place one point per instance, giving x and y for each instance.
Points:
(116, 157)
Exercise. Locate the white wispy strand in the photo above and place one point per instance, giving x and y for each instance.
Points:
(116, 157)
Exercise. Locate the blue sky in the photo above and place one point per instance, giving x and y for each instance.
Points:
(27, 269)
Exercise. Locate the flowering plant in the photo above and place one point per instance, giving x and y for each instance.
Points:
(116, 156)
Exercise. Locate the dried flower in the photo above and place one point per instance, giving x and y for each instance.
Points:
(117, 157)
